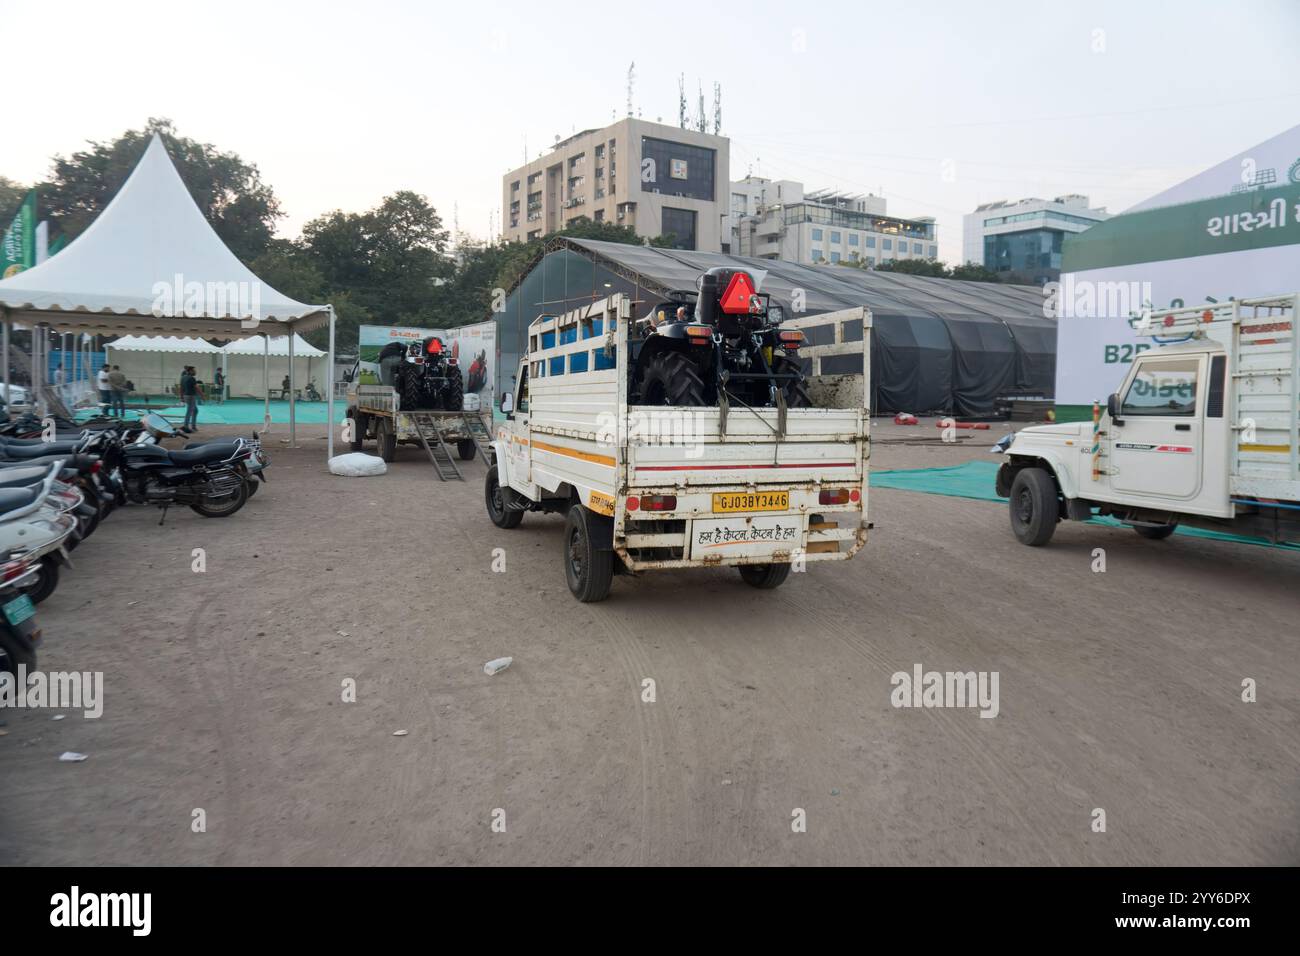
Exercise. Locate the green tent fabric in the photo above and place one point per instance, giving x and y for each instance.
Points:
(240, 411)
(975, 479)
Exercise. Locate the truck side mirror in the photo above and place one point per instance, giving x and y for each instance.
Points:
(1112, 405)
(507, 403)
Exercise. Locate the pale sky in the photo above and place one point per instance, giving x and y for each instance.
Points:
(340, 104)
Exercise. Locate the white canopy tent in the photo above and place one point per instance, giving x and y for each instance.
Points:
(255, 366)
(151, 263)
(153, 363)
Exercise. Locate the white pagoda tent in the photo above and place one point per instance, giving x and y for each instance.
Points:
(151, 264)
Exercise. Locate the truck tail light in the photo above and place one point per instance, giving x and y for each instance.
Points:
(791, 340)
(658, 502)
(633, 503)
(838, 496)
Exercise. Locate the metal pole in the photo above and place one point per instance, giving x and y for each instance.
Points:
(266, 381)
(293, 434)
(329, 392)
(4, 313)
(38, 334)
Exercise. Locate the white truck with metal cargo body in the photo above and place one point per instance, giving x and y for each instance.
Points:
(1204, 431)
(647, 487)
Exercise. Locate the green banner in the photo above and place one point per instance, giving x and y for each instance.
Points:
(18, 248)
(1248, 220)
(59, 242)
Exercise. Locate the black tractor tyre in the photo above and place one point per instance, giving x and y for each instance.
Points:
(796, 396)
(14, 652)
(588, 562)
(495, 498)
(358, 431)
(466, 449)
(385, 439)
(1158, 533)
(409, 392)
(670, 378)
(765, 577)
(1035, 506)
(453, 393)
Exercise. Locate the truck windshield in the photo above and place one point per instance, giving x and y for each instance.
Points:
(1163, 388)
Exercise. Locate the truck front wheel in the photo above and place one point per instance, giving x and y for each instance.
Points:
(588, 562)
(1035, 507)
(358, 431)
(495, 497)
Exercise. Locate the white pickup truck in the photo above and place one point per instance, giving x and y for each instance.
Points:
(652, 487)
(1204, 431)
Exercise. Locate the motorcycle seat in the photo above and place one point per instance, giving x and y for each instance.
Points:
(15, 499)
(202, 455)
(23, 477)
(15, 452)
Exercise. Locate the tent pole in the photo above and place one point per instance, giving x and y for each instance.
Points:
(266, 382)
(38, 333)
(329, 392)
(293, 382)
(4, 314)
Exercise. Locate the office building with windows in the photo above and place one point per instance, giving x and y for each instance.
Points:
(660, 180)
(777, 219)
(1022, 240)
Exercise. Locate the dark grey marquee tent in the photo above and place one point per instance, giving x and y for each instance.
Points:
(940, 345)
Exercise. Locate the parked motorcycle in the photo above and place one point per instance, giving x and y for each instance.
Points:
(212, 479)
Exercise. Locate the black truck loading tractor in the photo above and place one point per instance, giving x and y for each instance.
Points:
(719, 345)
(425, 375)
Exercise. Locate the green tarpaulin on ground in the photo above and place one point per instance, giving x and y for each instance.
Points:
(975, 479)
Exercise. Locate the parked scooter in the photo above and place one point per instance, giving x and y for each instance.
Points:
(36, 524)
(19, 635)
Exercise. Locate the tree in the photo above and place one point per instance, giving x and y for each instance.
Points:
(230, 193)
(927, 267)
(11, 196)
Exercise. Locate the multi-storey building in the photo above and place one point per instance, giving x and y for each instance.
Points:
(777, 219)
(1022, 239)
(659, 180)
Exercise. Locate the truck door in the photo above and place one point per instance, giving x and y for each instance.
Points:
(520, 459)
(1156, 440)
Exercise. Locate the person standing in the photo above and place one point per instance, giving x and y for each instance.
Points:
(219, 385)
(105, 389)
(117, 385)
(190, 395)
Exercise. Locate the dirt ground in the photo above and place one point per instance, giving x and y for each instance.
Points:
(1119, 691)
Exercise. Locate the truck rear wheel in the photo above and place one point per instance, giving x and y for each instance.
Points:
(385, 439)
(495, 497)
(765, 577)
(466, 449)
(588, 562)
(1156, 533)
(1035, 507)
